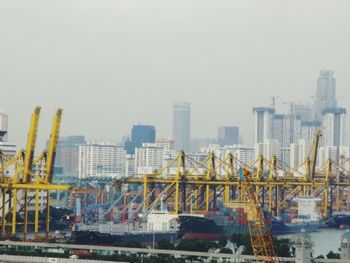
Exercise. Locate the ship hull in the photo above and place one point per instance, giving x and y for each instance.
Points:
(96, 238)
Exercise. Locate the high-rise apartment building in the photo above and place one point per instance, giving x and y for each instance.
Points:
(305, 112)
(286, 128)
(268, 149)
(140, 134)
(101, 159)
(325, 95)
(67, 154)
(326, 153)
(130, 165)
(149, 158)
(299, 152)
(333, 126)
(182, 126)
(228, 135)
(263, 123)
(309, 129)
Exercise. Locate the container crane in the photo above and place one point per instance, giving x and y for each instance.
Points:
(314, 153)
(28, 163)
(49, 161)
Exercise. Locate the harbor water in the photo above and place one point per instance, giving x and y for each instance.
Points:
(324, 241)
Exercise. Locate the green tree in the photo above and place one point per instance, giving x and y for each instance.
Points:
(225, 250)
(283, 247)
(165, 244)
(223, 241)
(194, 244)
(243, 240)
(332, 254)
(131, 243)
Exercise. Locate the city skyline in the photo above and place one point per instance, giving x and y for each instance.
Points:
(244, 139)
(135, 71)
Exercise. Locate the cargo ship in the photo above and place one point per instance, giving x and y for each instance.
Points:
(159, 225)
(229, 221)
(209, 225)
(340, 221)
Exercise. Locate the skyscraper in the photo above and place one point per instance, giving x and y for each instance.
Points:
(140, 134)
(263, 121)
(228, 135)
(325, 95)
(182, 125)
(333, 127)
(286, 128)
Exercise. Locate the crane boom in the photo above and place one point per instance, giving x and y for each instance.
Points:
(314, 153)
(51, 152)
(260, 233)
(29, 153)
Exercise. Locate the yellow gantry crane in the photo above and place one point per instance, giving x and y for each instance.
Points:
(28, 166)
(198, 184)
(23, 173)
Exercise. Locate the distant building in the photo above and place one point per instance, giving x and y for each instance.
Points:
(268, 149)
(309, 129)
(285, 158)
(198, 144)
(148, 158)
(326, 153)
(3, 126)
(325, 95)
(67, 154)
(166, 144)
(140, 134)
(245, 155)
(305, 112)
(228, 135)
(242, 154)
(182, 126)
(299, 152)
(101, 159)
(8, 149)
(130, 165)
(263, 123)
(286, 128)
(333, 126)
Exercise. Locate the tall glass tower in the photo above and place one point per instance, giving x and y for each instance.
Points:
(325, 95)
(182, 125)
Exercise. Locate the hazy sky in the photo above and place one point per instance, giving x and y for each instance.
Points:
(113, 63)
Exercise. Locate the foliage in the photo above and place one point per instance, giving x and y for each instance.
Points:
(131, 243)
(222, 241)
(165, 244)
(243, 240)
(332, 254)
(225, 250)
(283, 247)
(194, 244)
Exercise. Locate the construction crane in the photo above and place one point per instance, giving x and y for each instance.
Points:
(260, 233)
